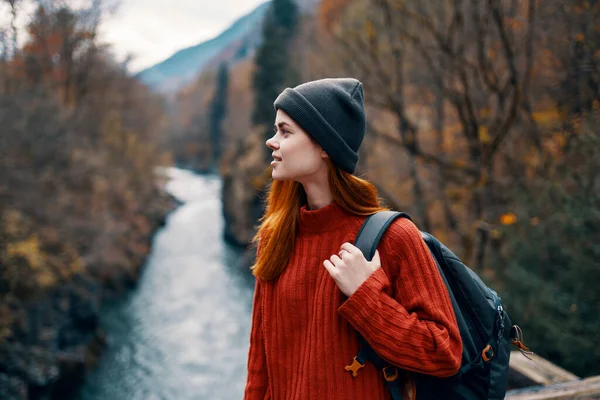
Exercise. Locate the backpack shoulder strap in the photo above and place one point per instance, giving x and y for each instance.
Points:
(373, 229)
(367, 240)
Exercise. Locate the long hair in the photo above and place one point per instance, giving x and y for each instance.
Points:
(278, 227)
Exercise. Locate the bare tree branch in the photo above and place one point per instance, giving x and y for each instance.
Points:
(429, 158)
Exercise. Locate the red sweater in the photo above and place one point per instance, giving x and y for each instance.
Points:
(304, 334)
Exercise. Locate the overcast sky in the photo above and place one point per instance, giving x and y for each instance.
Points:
(152, 30)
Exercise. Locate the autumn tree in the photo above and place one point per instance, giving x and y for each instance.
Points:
(60, 50)
(418, 52)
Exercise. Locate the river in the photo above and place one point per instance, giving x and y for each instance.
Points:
(182, 333)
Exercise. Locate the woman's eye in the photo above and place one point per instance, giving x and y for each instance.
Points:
(282, 131)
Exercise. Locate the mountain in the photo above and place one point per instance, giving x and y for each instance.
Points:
(236, 42)
(182, 67)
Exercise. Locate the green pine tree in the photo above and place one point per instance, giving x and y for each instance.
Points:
(273, 70)
(218, 111)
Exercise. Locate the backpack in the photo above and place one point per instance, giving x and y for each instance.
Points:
(482, 321)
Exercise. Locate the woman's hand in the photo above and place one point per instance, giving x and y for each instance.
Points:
(349, 268)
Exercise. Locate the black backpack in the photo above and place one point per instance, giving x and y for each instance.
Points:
(485, 328)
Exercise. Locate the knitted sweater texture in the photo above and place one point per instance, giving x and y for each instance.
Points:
(304, 328)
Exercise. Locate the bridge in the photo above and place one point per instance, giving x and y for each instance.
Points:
(539, 379)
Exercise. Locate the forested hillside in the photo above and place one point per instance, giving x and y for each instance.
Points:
(79, 202)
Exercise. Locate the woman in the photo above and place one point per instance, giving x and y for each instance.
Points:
(314, 289)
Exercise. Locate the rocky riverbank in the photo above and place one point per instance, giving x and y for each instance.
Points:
(244, 178)
(50, 296)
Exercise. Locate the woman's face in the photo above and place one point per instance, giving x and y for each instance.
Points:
(296, 156)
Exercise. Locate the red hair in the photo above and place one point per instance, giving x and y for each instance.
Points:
(278, 227)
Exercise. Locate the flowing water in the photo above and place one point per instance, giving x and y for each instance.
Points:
(182, 333)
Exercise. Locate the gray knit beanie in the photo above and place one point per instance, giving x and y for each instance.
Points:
(332, 112)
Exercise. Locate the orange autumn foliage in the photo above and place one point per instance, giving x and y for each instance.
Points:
(330, 11)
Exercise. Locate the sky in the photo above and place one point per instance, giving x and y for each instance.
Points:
(152, 30)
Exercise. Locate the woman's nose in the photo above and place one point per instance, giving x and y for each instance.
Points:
(272, 143)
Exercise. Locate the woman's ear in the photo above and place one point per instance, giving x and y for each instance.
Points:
(324, 154)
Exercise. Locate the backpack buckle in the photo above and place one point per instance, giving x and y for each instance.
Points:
(488, 353)
(354, 367)
(392, 375)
